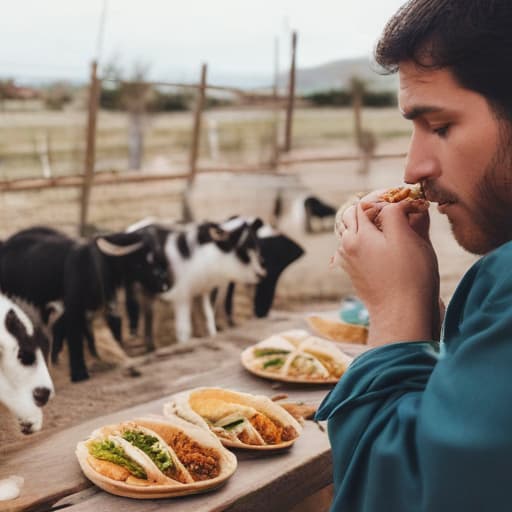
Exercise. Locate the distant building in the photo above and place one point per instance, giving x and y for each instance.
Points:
(10, 91)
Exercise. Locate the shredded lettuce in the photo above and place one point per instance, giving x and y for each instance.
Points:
(111, 452)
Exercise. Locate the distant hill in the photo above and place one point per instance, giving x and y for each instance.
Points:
(337, 74)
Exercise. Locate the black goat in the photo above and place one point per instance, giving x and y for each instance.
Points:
(277, 251)
(43, 265)
(314, 208)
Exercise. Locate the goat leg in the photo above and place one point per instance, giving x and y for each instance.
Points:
(148, 305)
(114, 324)
(132, 308)
(74, 335)
(208, 314)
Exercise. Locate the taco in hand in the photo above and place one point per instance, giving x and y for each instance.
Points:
(413, 194)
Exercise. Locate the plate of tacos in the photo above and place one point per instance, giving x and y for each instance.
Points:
(155, 457)
(296, 356)
(239, 420)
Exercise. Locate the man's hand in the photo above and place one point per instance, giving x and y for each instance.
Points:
(393, 268)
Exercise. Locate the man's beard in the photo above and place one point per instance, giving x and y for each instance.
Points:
(493, 204)
(490, 210)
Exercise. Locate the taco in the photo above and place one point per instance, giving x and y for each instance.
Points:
(153, 457)
(239, 420)
(395, 195)
(413, 194)
(336, 330)
(303, 358)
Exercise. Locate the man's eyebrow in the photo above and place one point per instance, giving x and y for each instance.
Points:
(419, 111)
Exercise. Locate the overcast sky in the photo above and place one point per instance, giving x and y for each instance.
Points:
(58, 38)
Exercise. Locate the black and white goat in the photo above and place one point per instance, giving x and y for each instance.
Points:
(278, 251)
(308, 214)
(25, 384)
(202, 257)
(42, 265)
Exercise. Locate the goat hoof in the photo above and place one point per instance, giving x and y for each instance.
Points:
(132, 372)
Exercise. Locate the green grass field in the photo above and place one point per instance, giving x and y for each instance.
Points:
(243, 136)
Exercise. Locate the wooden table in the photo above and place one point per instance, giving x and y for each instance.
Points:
(275, 482)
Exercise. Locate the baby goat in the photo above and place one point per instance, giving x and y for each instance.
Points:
(202, 257)
(25, 384)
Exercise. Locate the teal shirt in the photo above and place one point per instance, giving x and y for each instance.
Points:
(415, 429)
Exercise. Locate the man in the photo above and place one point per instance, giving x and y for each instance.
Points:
(414, 428)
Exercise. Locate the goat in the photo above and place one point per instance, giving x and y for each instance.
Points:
(43, 265)
(25, 384)
(308, 214)
(202, 257)
(278, 251)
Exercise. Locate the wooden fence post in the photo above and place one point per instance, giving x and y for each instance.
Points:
(196, 133)
(274, 158)
(187, 214)
(90, 149)
(291, 97)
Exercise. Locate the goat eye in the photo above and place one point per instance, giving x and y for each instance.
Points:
(26, 357)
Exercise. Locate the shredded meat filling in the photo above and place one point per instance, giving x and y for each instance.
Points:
(289, 433)
(202, 463)
(246, 438)
(268, 430)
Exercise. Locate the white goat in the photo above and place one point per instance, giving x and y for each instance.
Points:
(205, 256)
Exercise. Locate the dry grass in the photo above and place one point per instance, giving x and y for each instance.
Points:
(243, 135)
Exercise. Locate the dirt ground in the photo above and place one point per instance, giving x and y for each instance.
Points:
(305, 286)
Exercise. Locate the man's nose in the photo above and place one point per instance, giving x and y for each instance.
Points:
(422, 162)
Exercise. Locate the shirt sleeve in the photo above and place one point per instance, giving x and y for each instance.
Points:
(413, 432)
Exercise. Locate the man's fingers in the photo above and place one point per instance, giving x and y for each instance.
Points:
(349, 219)
(398, 219)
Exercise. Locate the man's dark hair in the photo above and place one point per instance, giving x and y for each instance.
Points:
(471, 37)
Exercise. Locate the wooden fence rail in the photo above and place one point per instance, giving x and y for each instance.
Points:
(114, 178)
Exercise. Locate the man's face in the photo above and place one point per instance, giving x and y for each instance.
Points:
(461, 153)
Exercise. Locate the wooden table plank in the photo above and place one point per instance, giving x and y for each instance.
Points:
(50, 468)
(52, 474)
(271, 482)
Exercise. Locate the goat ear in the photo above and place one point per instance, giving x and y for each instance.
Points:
(15, 326)
(236, 234)
(257, 223)
(217, 234)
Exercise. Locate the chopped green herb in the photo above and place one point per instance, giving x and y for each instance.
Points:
(152, 447)
(260, 352)
(278, 361)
